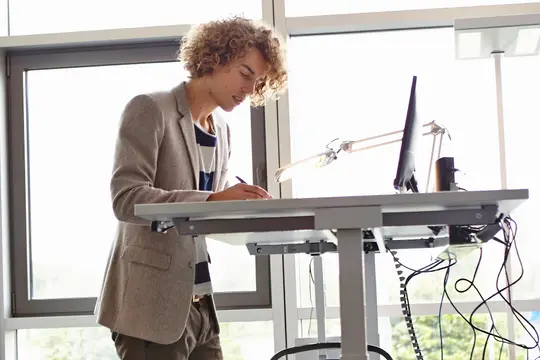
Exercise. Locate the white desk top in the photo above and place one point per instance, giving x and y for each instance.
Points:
(506, 200)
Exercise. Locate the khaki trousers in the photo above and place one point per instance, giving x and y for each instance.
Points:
(199, 341)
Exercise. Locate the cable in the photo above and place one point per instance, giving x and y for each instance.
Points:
(405, 308)
(311, 279)
(484, 301)
(509, 228)
(446, 275)
(467, 289)
(484, 233)
(509, 222)
(509, 242)
(325, 345)
(404, 297)
(485, 344)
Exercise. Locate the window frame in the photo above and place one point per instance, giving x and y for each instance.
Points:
(19, 62)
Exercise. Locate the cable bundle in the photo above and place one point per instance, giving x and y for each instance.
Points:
(404, 297)
(509, 228)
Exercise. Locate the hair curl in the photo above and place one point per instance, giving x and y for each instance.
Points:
(218, 42)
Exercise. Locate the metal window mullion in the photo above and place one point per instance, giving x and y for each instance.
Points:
(115, 55)
(398, 19)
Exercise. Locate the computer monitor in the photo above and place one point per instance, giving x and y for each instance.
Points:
(405, 179)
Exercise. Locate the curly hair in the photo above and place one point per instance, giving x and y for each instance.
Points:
(218, 42)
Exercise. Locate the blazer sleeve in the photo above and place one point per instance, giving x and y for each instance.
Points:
(135, 161)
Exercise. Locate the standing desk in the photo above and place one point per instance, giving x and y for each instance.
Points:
(285, 221)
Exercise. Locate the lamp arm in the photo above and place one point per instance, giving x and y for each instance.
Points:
(328, 156)
(388, 138)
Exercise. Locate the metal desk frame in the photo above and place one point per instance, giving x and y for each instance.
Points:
(348, 216)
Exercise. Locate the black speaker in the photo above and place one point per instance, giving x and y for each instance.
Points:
(444, 174)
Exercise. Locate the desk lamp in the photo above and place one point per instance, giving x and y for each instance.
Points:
(352, 146)
(495, 37)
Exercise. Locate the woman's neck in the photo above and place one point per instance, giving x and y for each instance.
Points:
(201, 102)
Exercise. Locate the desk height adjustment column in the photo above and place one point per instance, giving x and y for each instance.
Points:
(352, 304)
(349, 222)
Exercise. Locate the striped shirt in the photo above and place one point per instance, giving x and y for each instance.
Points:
(206, 148)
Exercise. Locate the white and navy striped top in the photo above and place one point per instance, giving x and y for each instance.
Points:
(206, 145)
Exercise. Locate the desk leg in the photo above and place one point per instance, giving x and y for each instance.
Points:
(371, 303)
(320, 302)
(352, 300)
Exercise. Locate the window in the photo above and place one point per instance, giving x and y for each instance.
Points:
(4, 24)
(239, 341)
(71, 122)
(299, 8)
(520, 91)
(360, 84)
(524, 332)
(457, 337)
(67, 16)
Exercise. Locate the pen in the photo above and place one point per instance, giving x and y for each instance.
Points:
(241, 180)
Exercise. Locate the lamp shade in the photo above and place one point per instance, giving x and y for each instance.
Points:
(479, 38)
(305, 166)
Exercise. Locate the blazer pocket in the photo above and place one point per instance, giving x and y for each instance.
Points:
(147, 257)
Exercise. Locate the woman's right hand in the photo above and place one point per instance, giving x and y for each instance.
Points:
(240, 192)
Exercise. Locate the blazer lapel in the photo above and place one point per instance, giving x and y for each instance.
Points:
(219, 150)
(186, 126)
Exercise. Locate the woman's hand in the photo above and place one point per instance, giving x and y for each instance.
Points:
(240, 192)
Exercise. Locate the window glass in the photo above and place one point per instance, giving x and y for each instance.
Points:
(71, 138)
(521, 85)
(524, 332)
(26, 16)
(239, 341)
(353, 86)
(300, 8)
(4, 22)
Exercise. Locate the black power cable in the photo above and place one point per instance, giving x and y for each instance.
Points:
(509, 242)
(481, 232)
(325, 345)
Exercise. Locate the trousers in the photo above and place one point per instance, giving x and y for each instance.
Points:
(200, 340)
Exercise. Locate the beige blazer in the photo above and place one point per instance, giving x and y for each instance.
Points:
(148, 281)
